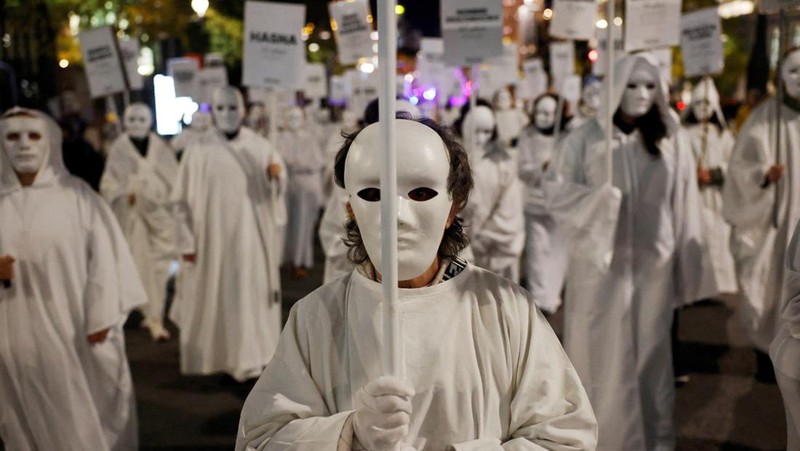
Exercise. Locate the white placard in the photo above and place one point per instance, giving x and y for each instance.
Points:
(352, 30)
(213, 59)
(571, 88)
(430, 62)
(526, 24)
(184, 73)
(651, 24)
(101, 62)
(701, 42)
(129, 50)
(363, 88)
(599, 66)
(338, 91)
(773, 6)
(562, 62)
(505, 66)
(274, 52)
(315, 85)
(534, 79)
(258, 94)
(472, 30)
(574, 19)
(209, 79)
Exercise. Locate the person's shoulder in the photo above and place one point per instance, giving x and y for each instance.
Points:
(504, 291)
(326, 301)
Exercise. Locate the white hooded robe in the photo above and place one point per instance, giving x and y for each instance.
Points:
(545, 263)
(763, 218)
(74, 277)
(228, 304)
(487, 370)
(619, 312)
(149, 224)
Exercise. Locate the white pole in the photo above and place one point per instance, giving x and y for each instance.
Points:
(387, 67)
(610, 91)
(273, 116)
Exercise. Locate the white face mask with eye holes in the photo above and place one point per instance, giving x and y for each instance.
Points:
(138, 119)
(423, 201)
(227, 107)
(544, 114)
(790, 74)
(26, 143)
(639, 93)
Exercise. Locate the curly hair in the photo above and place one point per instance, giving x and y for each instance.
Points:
(459, 184)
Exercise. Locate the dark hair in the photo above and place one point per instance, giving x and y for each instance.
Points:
(459, 184)
(650, 125)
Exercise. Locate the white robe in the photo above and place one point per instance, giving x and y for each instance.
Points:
(485, 366)
(228, 304)
(186, 138)
(493, 216)
(510, 123)
(149, 224)
(74, 277)
(331, 234)
(785, 348)
(305, 161)
(545, 264)
(758, 246)
(716, 230)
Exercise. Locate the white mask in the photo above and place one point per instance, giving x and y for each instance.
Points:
(640, 92)
(591, 95)
(26, 142)
(503, 101)
(227, 107)
(137, 120)
(481, 123)
(544, 114)
(790, 74)
(295, 119)
(423, 200)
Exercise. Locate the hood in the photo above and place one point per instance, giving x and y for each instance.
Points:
(699, 93)
(52, 169)
(623, 69)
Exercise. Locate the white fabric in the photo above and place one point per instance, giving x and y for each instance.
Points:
(482, 360)
(148, 224)
(494, 217)
(305, 163)
(331, 234)
(510, 123)
(790, 390)
(545, 265)
(618, 315)
(717, 232)
(227, 303)
(74, 277)
(758, 247)
(186, 138)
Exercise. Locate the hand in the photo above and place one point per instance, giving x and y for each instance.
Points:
(7, 267)
(546, 165)
(383, 413)
(190, 258)
(131, 199)
(704, 177)
(274, 170)
(775, 173)
(99, 337)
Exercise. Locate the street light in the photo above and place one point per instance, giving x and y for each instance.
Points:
(200, 7)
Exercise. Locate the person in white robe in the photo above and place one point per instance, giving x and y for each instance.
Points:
(588, 104)
(494, 214)
(483, 369)
(201, 122)
(306, 163)
(510, 120)
(349, 124)
(137, 181)
(70, 283)
(626, 278)
(712, 143)
(545, 261)
(785, 348)
(761, 202)
(229, 200)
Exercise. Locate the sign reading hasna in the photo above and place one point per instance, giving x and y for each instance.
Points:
(274, 54)
(102, 62)
(472, 30)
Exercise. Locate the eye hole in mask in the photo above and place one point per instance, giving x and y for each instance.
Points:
(422, 194)
(370, 194)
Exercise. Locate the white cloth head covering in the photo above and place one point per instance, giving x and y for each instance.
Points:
(623, 69)
(699, 93)
(52, 170)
